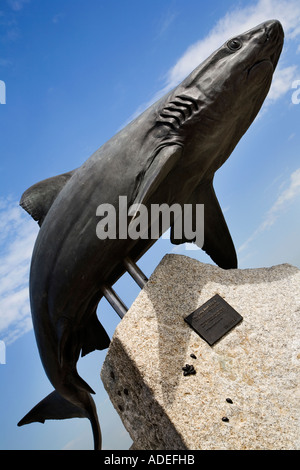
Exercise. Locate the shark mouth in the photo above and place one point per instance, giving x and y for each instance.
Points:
(261, 70)
(259, 62)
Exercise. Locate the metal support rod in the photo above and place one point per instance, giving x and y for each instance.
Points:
(135, 272)
(114, 300)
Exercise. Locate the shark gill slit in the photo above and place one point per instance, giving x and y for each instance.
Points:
(178, 111)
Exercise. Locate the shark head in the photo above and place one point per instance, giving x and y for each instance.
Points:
(240, 66)
(223, 95)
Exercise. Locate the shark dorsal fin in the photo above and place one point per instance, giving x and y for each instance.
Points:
(38, 199)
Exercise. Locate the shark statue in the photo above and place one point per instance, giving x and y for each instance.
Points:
(169, 154)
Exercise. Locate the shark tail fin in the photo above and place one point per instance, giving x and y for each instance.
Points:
(38, 199)
(54, 406)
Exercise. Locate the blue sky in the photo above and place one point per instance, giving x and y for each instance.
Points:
(75, 73)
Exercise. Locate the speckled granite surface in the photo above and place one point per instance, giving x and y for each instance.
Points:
(256, 365)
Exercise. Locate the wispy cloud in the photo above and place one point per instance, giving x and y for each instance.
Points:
(10, 31)
(165, 22)
(285, 198)
(17, 5)
(282, 82)
(17, 236)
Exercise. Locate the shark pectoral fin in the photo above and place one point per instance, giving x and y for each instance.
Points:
(54, 406)
(161, 165)
(218, 243)
(38, 199)
(93, 336)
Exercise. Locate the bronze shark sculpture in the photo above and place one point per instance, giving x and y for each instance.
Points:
(169, 154)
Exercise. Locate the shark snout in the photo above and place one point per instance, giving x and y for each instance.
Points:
(274, 37)
(274, 30)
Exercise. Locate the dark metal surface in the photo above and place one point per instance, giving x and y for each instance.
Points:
(214, 319)
(168, 155)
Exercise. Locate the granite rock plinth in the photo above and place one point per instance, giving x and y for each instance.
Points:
(245, 392)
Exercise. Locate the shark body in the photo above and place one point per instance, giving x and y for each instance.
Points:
(169, 154)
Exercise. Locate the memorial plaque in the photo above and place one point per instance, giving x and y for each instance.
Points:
(213, 319)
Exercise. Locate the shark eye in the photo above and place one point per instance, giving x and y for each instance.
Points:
(234, 44)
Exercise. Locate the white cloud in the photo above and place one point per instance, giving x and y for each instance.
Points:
(286, 197)
(18, 233)
(282, 82)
